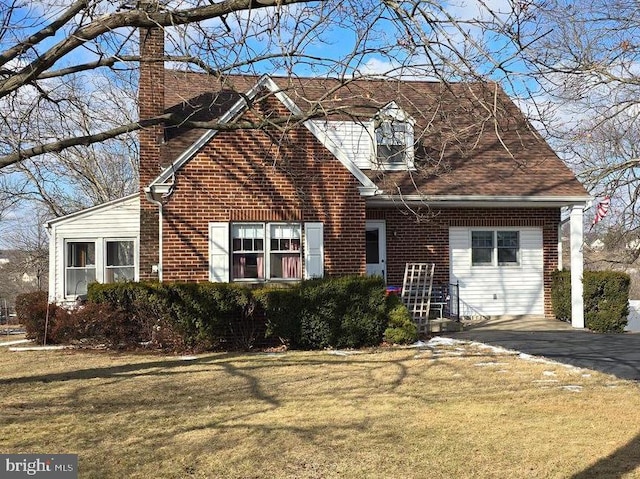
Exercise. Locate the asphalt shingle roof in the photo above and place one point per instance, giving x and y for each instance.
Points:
(471, 139)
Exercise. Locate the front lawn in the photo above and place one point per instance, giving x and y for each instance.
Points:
(449, 411)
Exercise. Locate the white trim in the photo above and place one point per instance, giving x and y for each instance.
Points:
(478, 200)
(89, 210)
(313, 248)
(381, 225)
(220, 271)
(577, 266)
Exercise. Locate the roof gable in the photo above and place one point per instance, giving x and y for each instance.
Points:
(240, 106)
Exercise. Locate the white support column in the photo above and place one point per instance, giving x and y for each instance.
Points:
(577, 266)
(560, 265)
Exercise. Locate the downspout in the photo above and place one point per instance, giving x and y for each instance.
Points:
(150, 194)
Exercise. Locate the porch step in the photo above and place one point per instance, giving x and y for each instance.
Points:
(444, 325)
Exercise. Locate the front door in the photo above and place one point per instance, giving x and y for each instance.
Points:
(376, 247)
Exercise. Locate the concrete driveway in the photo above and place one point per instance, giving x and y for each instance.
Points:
(617, 354)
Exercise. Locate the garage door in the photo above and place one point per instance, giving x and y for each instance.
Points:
(500, 270)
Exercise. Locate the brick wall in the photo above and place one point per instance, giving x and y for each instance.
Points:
(254, 176)
(151, 103)
(427, 239)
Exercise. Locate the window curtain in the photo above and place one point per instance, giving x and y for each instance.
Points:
(291, 267)
(240, 266)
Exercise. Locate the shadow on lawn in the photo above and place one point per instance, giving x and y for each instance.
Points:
(617, 464)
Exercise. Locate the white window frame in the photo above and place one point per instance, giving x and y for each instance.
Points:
(105, 250)
(232, 252)
(220, 251)
(100, 266)
(66, 268)
(494, 249)
(266, 250)
(392, 115)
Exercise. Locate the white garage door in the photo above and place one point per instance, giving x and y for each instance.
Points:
(500, 270)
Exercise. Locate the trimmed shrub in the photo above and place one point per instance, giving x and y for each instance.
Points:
(342, 312)
(401, 328)
(195, 316)
(32, 311)
(561, 295)
(606, 299)
(282, 309)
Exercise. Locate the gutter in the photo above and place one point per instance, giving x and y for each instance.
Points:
(481, 200)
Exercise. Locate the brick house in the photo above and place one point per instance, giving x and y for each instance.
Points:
(394, 172)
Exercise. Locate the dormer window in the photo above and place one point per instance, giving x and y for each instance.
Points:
(391, 136)
(394, 139)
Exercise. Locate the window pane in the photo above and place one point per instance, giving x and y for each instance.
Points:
(482, 239)
(508, 239)
(81, 254)
(285, 259)
(248, 266)
(373, 246)
(113, 275)
(120, 253)
(508, 247)
(481, 256)
(286, 265)
(507, 256)
(77, 280)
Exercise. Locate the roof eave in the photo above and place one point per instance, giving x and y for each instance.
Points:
(480, 201)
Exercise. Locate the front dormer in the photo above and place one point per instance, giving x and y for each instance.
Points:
(393, 139)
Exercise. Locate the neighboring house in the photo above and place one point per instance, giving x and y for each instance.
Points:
(396, 172)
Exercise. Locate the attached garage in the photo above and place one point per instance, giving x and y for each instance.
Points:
(499, 270)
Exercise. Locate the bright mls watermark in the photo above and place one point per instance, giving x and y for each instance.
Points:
(49, 466)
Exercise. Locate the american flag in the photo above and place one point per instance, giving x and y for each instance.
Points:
(601, 210)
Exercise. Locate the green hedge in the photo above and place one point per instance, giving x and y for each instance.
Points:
(345, 312)
(606, 299)
(401, 328)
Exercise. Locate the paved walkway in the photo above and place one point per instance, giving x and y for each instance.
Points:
(617, 354)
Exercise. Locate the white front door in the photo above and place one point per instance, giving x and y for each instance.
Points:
(376, 248)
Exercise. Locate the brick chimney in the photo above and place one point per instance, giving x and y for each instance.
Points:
(150, 104)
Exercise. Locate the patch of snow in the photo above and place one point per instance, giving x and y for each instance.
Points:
(573, 388)
(17, 341)
(39, 348)
(337, 352)
(545, 381)
(187, 358)
(442, 341)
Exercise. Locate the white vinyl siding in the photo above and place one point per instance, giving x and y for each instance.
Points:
(115, 221)
(492, 289)
(355, 139)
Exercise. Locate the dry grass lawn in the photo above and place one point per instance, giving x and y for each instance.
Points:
(441, 412)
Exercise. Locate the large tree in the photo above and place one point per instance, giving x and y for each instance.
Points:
(586, 67)
(53, 55)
